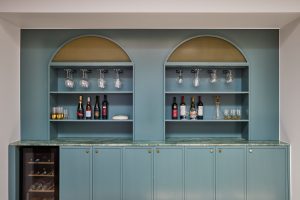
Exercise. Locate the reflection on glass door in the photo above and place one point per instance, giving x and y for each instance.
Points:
(39, 173)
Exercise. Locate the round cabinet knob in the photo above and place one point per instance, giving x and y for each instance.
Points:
(97, 151)
(149, 151)
(87, 151)
(157, 151)
(220, 150)
(250, 150)
(211, 151)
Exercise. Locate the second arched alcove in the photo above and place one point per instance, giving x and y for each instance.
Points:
(200, 67)
(80, 60)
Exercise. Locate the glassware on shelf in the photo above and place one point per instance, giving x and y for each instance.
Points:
(233, 114)
(196, 80)
(217, 101)
(228, 76)
(84, 82)
(238, 114)
(69, 82)
(118, 82)
(66, 113)
(54, 113)
(101, 80)
(212, 75)
(226, 114)
(179, 79)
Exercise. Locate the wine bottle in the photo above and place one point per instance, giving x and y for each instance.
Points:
(200, 109)
(80, 109)
(97, 109)
(104, 108)
(182, 108)
(174, 109)
(88, 110)
(193, 112)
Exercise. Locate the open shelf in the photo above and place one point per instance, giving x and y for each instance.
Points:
(208, 92)
(204, 121)
(89, 121)
(91, 92)
(207, 65)
(96, 65)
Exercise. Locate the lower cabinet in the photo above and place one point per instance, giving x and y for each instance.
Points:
(174, 173)
(267, 173)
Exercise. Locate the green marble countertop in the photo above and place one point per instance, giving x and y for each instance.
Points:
(168, 142)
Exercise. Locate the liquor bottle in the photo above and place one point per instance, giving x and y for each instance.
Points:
(88, 110)
(182, 109)
(97, 109)
(104, 108)
(80, 109)
(174, 109)
(193, 112)
(200, 109)
(218, 102)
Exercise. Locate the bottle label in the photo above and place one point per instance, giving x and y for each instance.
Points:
(200, 111)
(80, 115)
(182, 110)
(104, 111)
(193, 114)
(96, 114)
(88, 113)
(174, 113)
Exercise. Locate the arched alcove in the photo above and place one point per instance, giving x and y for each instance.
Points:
(91, 48)
(206, 49)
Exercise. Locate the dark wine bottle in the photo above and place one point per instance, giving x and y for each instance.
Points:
(200, 109)
(97, 109)
(88, 110)
(104, 108)
(80, 109)
(182, 108)
(193, 112)
(174, 109)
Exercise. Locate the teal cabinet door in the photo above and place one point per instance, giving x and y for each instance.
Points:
(137, 174)
(168, 174)
(107, 173)
(200, 173)
(75, 173)
(267, 173)
(230, 173)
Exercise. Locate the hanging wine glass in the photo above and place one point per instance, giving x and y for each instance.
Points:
(179, 79)
(228, 76)
(213, 75)
(69, 82)
(118, 82)
(101, 80)
(84, 82)
(196, 80)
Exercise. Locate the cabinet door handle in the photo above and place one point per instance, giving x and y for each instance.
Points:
(97, 151)
(149, 151)
(220, 150)
(87, 151)
(211, 151)
(157, 151)
(250, 150)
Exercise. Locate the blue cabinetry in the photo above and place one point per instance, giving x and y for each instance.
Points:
(107, 173)
(267, 173)
(230, 173)
(75, 173)
(168, 174)
(138, 174)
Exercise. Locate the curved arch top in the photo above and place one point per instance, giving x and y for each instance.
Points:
(206, 49)
(91, 48)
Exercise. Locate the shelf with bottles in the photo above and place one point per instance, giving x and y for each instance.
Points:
(87, 78)
(204, 79)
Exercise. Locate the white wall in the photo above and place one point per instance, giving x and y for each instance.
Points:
(290, 97)
(9, 97)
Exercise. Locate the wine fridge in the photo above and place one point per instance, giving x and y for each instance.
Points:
(39, 173)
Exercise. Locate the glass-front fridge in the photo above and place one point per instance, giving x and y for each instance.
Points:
(39, 173)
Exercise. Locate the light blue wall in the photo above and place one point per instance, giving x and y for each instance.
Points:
(148, 50)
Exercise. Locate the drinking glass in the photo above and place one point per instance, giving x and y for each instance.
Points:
(84, 82)
(196, 80)
(213, 75)
(66, 113)
(179, 79)
(54, 113)
(238, 113)
(101, 80)
(226, 114)
(233, 114)
(118, 82)
(228, 76)
(69, 82)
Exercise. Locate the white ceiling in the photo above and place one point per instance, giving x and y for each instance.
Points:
(149, 20)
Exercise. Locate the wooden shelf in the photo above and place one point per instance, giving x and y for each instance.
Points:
(40, 163)
(91, 92)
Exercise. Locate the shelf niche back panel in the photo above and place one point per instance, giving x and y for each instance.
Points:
(239, 84)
